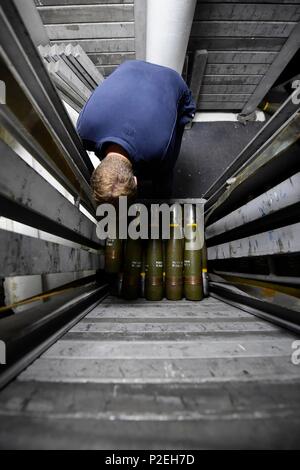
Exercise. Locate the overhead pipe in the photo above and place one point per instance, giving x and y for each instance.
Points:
(169, 24)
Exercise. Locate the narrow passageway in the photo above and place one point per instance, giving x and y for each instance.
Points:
(158, 375)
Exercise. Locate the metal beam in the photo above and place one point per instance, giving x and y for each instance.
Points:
(199, 65)
(281, 196)
(23, 110)
(274, 242)
(32, 21)
(66, 32)
(21, 256)
(67, 100)
(273, 125)
(2, 92)
(244, 29)
(61, 69)
(102, 45)
(28, 335)
(277, 159)
(239, 11)
(85, 12)
(249, 283)
(16, 129)
(64, 87)
(270, 278)
(254, 43)
(56, 53)
(84, 62)
(281, 61)
(258, 306)
(28, 198)
(140, 27)
(185, 68)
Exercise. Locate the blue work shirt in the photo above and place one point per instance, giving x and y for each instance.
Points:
(143, 107)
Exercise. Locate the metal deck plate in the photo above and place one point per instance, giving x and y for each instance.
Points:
(159, 375)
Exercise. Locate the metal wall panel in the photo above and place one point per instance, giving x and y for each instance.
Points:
(279, 241)
(27, 197)
(21, 255)
(101, 46)
(281, 196)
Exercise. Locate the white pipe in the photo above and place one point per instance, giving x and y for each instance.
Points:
(169, 25)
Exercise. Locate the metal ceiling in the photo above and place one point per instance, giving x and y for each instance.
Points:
(249, 43)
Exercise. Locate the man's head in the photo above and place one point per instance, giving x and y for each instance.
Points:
(113, 178)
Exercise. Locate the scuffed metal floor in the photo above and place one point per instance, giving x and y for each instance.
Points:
(160, 375)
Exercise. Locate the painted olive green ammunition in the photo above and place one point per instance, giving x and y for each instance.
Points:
(120, 284)
(193, 288)
(154, 271)
(174, 256)
(269, 108)
(204, 272)
(132, 269)
(164, 250)
(113, 255)
(143, 269)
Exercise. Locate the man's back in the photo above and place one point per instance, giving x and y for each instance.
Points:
(139, 107)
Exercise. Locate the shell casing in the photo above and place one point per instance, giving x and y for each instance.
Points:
(193, 287)
(132, 269)
(113, 255)
(204, 272)
(142, 273)
(192, 268)
(174, 256)
(174, 268)
(120, 284)
(154, 271)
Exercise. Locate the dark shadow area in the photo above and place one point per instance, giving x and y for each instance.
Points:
(207, 150)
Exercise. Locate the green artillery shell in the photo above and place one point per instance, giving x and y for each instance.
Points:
(164, 250)
(204, 272)
(174, 257)
(143, 274)
(193, 288)
(132, 269)
(269, 108)
(113, 255)
(154, 271)
(120, 284)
